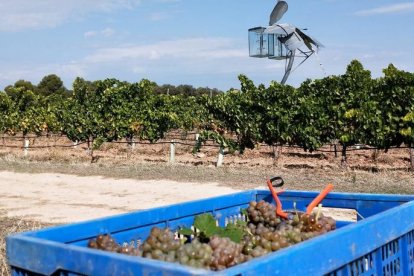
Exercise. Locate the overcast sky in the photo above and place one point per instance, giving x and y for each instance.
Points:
(197, 42)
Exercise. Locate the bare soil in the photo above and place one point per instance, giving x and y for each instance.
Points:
(58, 148)
(60, 198)
(367, 170)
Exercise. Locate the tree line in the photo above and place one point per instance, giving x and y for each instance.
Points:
(348, 109)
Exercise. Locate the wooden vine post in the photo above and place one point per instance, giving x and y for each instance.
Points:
(344, 161)
(89, 150)
(276, 152)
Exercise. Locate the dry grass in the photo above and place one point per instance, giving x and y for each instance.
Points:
(10, 226)
(241, 177)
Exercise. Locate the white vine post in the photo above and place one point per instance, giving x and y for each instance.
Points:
(220, 157)
(131, 143)
(25, 147)
(172, 151)
(196, 138)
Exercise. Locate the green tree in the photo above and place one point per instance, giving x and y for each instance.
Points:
(51, 85)
(20, 86)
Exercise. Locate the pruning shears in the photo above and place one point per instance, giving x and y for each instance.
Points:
(277, 182)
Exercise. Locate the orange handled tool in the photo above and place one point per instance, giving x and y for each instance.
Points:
(279, 209)
(319, 198)
(278, 182)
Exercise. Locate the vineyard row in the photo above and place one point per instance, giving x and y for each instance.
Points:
(344, 110)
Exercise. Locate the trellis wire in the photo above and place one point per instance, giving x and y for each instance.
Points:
(350, 149)
(177, 140)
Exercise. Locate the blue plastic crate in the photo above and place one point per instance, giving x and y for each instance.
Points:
(380, 244)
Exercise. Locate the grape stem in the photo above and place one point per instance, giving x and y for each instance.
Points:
(319, 212)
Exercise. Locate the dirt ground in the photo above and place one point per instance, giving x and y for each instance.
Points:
(56, 148)
(59, 198)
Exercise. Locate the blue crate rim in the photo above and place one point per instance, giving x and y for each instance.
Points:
(258, 192)
(258, 261)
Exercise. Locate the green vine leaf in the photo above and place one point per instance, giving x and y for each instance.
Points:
(232, 231)
(206, 224)
(186, 231)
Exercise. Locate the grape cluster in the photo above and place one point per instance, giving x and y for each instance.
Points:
(195, 254)
(264, 240)
(226, 253)
(161, 245)
(309, 223)
(264, 233)
(107, 243)
(263, 212)
(322, 224)
(312, 226)
(269, 233)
